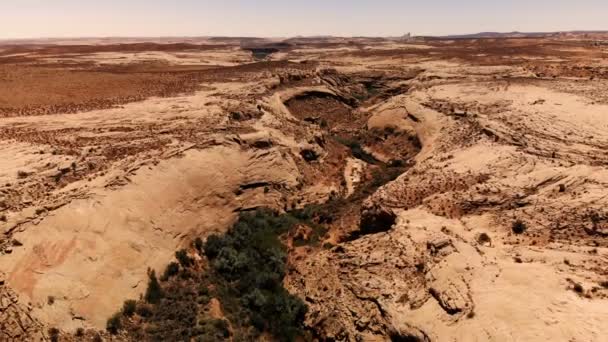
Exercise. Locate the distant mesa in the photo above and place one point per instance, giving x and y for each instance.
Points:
(262, 48)
(517, 34)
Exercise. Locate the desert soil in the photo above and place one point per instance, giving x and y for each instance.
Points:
(428, 155)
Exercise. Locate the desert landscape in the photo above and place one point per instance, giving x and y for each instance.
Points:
(304, 189)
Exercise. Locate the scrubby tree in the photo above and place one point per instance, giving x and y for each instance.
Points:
(128, 308)
(183, 258)
(54, 334)
(114, 324)
(198, 244)
(213, 245)
(171, 270)
(519, 227)
(154, 292)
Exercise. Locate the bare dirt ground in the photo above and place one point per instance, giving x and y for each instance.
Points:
(463, 182)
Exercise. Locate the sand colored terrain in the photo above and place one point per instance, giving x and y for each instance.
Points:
(114, 155)
(431, 275)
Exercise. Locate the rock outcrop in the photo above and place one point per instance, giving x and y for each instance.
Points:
(17, 322)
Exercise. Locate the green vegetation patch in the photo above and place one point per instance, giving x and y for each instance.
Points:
(245, 274)
(252, 258)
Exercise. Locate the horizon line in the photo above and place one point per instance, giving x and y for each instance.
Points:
(300, 36)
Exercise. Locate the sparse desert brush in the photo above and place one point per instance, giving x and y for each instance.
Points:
(154, 292)
(129, 307)
(54, 334)
(183, 258)
(578, 288)
(518, 227)
(114, 324)
(396, 163)
(143, 310)
(357, 150)
(198, 244)
(171, 270)
(484, 239)
(391, 129)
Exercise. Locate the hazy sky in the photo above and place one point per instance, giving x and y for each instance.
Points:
(279, 18)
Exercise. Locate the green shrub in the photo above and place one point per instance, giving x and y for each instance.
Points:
(222, 326)
(214, 330)
(171, 270)
(114, 324)
(128, 308)
(203, 299)
(22, 174)
(203, 290)
(54, 334)
(198, 244)
(183, 258)
(396, 163)
(519, 227)
(154, 293)
(213, 245)
(357, 151)
(143, 310)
